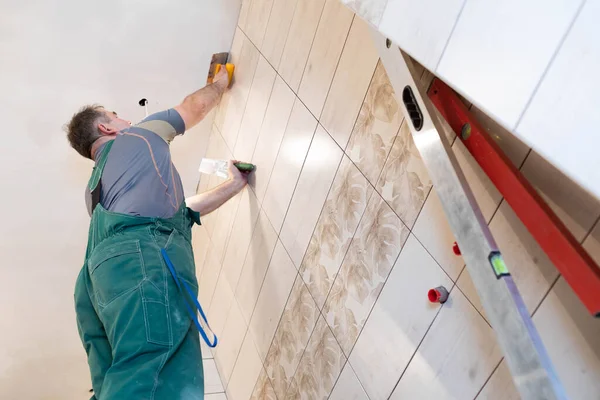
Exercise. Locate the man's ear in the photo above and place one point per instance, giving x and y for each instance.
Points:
(106, 130)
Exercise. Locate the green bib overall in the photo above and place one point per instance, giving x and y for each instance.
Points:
(132, 320)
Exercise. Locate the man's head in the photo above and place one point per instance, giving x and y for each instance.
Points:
(90, 124)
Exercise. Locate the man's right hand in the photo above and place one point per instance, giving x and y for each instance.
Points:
(237, 176)
(221, 79)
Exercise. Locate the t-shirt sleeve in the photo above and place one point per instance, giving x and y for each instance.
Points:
(166, 124)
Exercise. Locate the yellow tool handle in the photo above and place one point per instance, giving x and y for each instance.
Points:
(229, 68)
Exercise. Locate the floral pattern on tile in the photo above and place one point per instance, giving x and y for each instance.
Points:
(339, 219)
(376, 127)
(372, 253)
(404, 182)
(320, 366)
(263, 390)
(291, 338)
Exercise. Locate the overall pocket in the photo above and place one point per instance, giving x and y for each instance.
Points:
(116, 270)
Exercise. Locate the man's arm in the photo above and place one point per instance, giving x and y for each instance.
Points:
(209, 201)
(197, 105)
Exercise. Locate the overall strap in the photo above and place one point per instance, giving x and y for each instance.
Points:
(94, 182)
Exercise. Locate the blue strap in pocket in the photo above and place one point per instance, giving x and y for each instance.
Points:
(190, 292)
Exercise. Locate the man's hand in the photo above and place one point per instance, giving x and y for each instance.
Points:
(235, 175)
(221, 79)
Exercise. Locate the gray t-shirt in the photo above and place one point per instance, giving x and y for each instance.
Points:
(139, 177)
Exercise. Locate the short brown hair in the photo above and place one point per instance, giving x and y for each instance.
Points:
(82, 130)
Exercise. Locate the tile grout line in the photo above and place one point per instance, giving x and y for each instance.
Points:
(545, 295)
(311, 46)
(549, 65)
(488, 378)
(419, 345)
(462, 7)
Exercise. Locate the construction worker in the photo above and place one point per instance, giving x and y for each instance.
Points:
(135, 296)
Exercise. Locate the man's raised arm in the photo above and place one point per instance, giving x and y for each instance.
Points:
(197, 105)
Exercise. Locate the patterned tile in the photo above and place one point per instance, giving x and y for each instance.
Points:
(319, 367)
(376, 127)
(292, 335)
(372, 253)
(263, 390)
(404, 182)
(318, 171)
(350, 83)
(339, 219)
(272, 298)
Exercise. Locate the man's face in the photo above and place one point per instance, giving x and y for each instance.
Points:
(114, 125)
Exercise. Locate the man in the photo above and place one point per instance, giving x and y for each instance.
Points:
(136, 291)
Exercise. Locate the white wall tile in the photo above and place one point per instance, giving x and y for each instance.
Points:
(348, 386)
(212, 381)
(456, 357)
(272, 298)
(311, 191)
(216, 396)
(498, 52)
(399, 320)
(567, 101)
(433, 231)
(421, 28)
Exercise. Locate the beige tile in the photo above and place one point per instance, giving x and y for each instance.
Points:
(270, 137)
(324, 55)
(404, 182)
(348, 387)
(376, 127)
(263, 390)
(319, 367)
(238, 94)
(299, 41)
(223, 225)
(230, 343)
(456, 357)
(319, 169)
(212, 381)
(372, 253)
(295, 144)
(350, 83)
(220, 306)
(484, 191)
(255, 265)
(512, 147)
(272, 298)
(245, 373)
(244, 11)
(257, 20)
(234, 57)
(277, 30)
(399, 320)
(577, 209)
(200, 244)
(433, 231)
(254, 113)
(297, 323)
(241, 235)
(208, 280)
(339, 219)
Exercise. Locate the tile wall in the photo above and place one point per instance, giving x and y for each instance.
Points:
(315, 276)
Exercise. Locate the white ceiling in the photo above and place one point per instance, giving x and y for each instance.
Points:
(56, 56)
